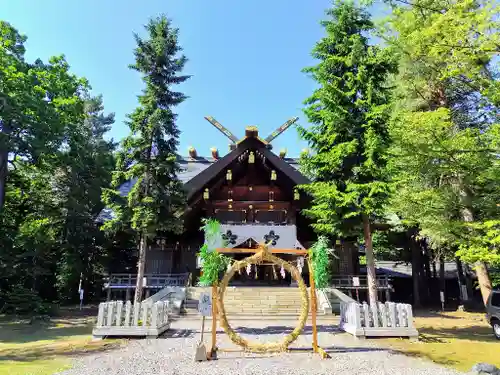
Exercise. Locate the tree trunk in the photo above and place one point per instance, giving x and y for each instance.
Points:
(426, 276)
(416, 266)
(3, 177)
(442, 280)
(141, 262)
(483, 276)
(461, 279)
(370, 262)
(5, 130)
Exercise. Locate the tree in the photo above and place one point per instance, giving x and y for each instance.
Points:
(349, 135)
(148, 155)
(37, 102)
(84, 168)
(443, 124)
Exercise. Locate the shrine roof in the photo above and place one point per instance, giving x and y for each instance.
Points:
(190, 168)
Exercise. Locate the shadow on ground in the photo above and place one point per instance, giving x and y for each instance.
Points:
(473, 333)
(276, 330)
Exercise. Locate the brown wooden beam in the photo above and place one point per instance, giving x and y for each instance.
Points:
(227, 250)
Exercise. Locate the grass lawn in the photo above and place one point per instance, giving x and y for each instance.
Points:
(454, 339)
(45, 348)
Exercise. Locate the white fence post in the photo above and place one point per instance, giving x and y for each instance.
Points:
(154, 315)
(145, 312)
(100, 314)
(366, 314)
(409, 316)
(383, 314)
(375, 316)
(128, 313)
(119, 311)
(357, 315)
(109, 319)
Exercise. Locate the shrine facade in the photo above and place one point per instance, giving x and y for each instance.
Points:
(253, 193)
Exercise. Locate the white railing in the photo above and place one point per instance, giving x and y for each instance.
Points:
(347, 282)
(159, 281)
(125, 319)
(175, 295)
(388, 320)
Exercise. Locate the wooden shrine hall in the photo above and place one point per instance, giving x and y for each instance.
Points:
(252, 192)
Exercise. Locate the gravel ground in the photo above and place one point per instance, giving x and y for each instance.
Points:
(174, 354)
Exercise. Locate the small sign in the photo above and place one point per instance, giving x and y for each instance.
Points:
(199, 262)
(355, 281)
(205, 304)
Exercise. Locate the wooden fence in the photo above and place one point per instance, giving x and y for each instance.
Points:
(125, 319)
(386, 320)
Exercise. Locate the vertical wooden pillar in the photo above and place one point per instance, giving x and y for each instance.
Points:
(213, 350)
(314, 307)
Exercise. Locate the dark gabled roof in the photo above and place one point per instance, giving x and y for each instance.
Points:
(197, 183)
(197, 172)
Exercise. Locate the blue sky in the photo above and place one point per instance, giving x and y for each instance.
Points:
(245, 58)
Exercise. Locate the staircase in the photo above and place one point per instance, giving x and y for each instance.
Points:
(253, 301)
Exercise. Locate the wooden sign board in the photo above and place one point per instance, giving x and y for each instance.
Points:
(205, 304)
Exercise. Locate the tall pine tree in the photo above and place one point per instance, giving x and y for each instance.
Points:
(348, 136)
(148, 156)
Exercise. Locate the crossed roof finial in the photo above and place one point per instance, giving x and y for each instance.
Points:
(253, 129)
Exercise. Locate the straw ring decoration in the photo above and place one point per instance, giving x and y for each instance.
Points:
(263, 255)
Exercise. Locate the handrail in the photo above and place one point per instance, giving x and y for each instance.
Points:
(346, 282)
(151, 281)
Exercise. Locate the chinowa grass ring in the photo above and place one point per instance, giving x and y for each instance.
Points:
(253, 347)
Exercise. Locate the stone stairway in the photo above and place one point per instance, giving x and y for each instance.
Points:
(252, 301)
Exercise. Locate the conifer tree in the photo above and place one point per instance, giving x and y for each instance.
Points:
(348, 136)
(148, 156)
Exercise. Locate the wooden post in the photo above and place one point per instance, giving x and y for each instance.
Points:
(314, 306)
(213, 350)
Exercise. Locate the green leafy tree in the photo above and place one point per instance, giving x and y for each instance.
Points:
(349, 135)
(37, 103)
(148, 155)
(445, 120)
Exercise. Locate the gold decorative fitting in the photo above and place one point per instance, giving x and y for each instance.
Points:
(192, 152)
(283, 153)
(206, 194)
(251, 158)
(215, 153)
(250, 207)
(250, 188)
(273, 175)
(271, 207)
(271, 196)
(296, 195)
(230, 206)
(229, 175)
